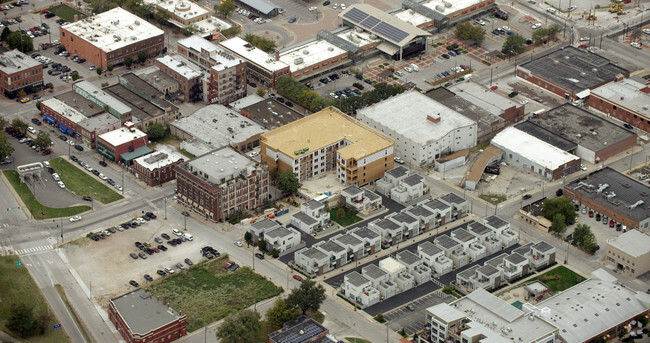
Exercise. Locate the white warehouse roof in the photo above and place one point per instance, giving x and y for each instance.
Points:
(307, 55)
(254, 55)
(531, 148)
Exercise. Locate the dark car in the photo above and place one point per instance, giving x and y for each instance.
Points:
(63, 138)
(95, 238)
(185, 213)
(598, 216)
(79, 147)
(110, 182)
(46, 152)
(103, 164)
(134, 284)
(87, 198)
(289, 103)
(74, 158)
(133, 256)
(162, 247)
(171, 242)
(527, 196)
(161, 273)
(148, 277)
(326, 3)
(410, 307)
(513, 94)
(164, 235)
(292, 20)
(151, 215)
(260, 256)
(142, 255)
(111, 230)
(149, 251)
(188, 262)
(628, 126)
(368, 81)
(445, 56)
(95, 172)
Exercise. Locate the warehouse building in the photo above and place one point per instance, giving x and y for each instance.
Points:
(19, 72)
(328, 140)
(629, 253)
(424, 132)
(267, 112)
(313, 58)
(110, 37)
(626, 100)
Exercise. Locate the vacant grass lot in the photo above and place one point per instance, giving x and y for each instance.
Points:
(18, 287)
(345, 220)
(559, 278)
(66, 12)
(207, 292)
(39, 210)
(492, 199)
(356, 340)
(79, 183)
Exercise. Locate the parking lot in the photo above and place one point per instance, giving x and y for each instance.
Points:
(107, 266)
(601, 230)
(412, 319)
(334, 84)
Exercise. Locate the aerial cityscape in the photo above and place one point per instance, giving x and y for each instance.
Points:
(325, 171)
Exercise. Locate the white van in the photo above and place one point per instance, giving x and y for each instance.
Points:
(415, 68)
(188, 236)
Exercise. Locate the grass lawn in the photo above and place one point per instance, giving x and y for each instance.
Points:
(188, 154)
(356, 340)
(492, 199)
(207, 292)
(79, 183)
(40, 211)
(18, 287)
(66, 12)
(347, 219)
(559, 278)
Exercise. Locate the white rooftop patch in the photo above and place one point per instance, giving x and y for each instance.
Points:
(310, 54)
(253, 54)
(531, 148)
(181, 65)
(122, 135)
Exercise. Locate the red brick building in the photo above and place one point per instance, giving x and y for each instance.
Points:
(188, 75)
(64, 117)
(570, 72)
(261, 67)
(625, 100)
(221, 183)
(139, 317)
(127, 139)
(158, 167)
(111, 36)
(19, 72)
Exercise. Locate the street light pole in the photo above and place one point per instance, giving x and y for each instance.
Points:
(92, 198)
(165, 207)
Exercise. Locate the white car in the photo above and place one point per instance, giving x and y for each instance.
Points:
(119, 228)
(506, 28)
(177, 232)
(582, 166)
(71, 142)
(56, 177)
(91, 68)
(646, 31)
(480, 22)
(342, 6)
(582, 39)
(88, 168)
(536, 26)
(169, 270)
(75, 219)
(106, 232)
(102, 176)
(119, 188)
(408, 70)
(238, 243)
(335, 6)
(31, 129)
(253, 154)
(551, 10)
(140, 220)
(572, 8)
(636, 45)
(61, 184)
(46, 164)
(313, 8)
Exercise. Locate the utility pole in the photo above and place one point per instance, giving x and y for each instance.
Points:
(566, 259)
(165, 207)
(123, 181)
(92, 198)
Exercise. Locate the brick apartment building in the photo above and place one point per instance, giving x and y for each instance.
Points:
(139, 317)
(261, 67)
(123, 140)
(19, 72)
(188, 75)
(221, 183)
(66, 118)
(158, 167)
(90, 128)
(111, 36)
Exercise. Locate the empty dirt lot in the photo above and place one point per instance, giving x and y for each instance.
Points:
(107, 266)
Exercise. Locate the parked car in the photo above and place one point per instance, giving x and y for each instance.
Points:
(188, 262)
(169, 270)
(238, 243)
(75, 218)
(134, 284)
(297, 277)
(133, 256)
(161, 273)
(260, 256)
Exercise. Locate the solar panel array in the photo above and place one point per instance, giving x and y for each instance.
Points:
(375, 25)
(309, 330)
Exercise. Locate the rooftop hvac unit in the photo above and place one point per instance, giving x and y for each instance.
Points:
(330, 48)
(358, 29)
(298, 60)
(305, 52)
(447, 4)
(440, 8)
(137, 22)
(373, 36)
(638, 203)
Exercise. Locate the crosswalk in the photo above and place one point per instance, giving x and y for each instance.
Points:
(34, 250)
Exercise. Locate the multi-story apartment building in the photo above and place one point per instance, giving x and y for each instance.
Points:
(262, 67)
(328, 140)
(19, 72)
(111, 36)
(221, 183)
(188, 75)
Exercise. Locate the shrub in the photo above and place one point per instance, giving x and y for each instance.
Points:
(380, 318)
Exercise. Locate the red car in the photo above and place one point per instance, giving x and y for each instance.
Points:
(583, 46)
(43, 11)
(611, 223)
(494, 88)
(297, 277)
(591, 214)
(155, 249)
(46, 152)
(229, 264)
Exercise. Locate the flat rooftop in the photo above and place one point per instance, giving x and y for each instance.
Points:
(252, 54)
(462, 235)
(403, 217)
(411, 17)
(582, 127)
(574, 69)
(298, 330)
(98, 122)
(493, 102)
(627, 192)
(220, 165)
(81, 104)
(102, 30)
(446, 242)
(373, 272)
(163, 156)
(348, 239)
(360, 39)
(143, 109)
(142, 86)
(307, 55)
(85, 88)
(495, 222)
(142, 312)
(627, 93)
(218, 125)
(408, 257)
(324, 128)
(211, 25)
(441, 6)
(14, 61)
(398, 114)
(122, 135)
(478, 229)
(397, 172)
(312, 253)
(246, 101)
(547, 136)
(271, 114)
(429, 248)
(155, 78)
(452, 198)
(182, 8)
(356, 279)
(532, 148)
(65, 110)
(181, 65)
(633, 242)
(219, 55)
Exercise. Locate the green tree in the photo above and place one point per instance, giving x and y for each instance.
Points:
(231, 32)
(579, 234)
(38, 105)
(75, 76)
(261, 244)
(559, 225)
(561, 205)
(261, 91)
(15, 42)
(308, 297)
(275, 253)
(225, 8)
(110, 67)
(5, 33)
(128, 61)
(143, 56)
(42, 140)
(589, 243)
(288, 182)
(99, 70)
(161, 17)
(340, 213)
(240, 327)
(248, 237)
(22, 321)
(3, 122)
(514, 43)
(468, 32)
(6, 149)
(280, 313)
(264, 44)
(19, 125)
(156, 131)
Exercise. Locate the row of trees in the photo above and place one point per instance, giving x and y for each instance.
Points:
(308, 98)
(516, 43)
(247, 326)
(560, 211)
(264, 44)
(582, 236)
(17, 40)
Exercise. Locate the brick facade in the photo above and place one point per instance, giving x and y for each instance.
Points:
(592, 204)
(620, 112)
(12, 82)
(113, 153)
(164, 334)
(186, 85)
(157, 176)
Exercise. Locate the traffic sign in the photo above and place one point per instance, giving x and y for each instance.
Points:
(17, 263)
(56, 326)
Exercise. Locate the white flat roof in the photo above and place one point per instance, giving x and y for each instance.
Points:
(163, 156)
(391, 265)
(62, 108)
(407, 113)
(252, 54)
(101, 29)
(86, 88)
(310, 54)
(411, 17)
(626, 92)
(224, 59)
(121, 136)
(181, 65)
(359, 39)
(483, 97)
(182, 8)
(14, 61)
(446, 313)
(456, 5)
(246, 101)
(633, 242)
(212, 24)
(532, 148)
